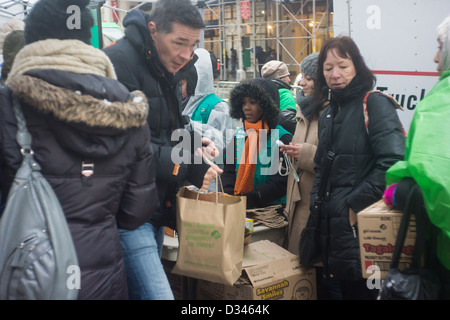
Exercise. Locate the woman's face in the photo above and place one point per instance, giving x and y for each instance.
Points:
(307, 85)
(251, 109)
(437, 58)
(338, 71)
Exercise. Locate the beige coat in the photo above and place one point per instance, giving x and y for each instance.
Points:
(298, 193)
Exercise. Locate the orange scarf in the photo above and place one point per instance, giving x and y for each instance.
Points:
(247, 164)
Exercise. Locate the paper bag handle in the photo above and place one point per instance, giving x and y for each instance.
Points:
(218, 179)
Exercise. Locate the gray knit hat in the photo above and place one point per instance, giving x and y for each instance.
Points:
(275, 70)
(309, 65)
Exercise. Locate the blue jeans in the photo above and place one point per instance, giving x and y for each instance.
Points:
(142, 250)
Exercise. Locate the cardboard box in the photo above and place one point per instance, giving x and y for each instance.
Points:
(269, 273)
(377, 227)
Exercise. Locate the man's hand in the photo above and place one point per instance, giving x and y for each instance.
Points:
(211, 174)
(208, 149)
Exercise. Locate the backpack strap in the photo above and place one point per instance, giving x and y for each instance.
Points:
(366, 112)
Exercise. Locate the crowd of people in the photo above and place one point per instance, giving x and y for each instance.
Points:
(119, 108)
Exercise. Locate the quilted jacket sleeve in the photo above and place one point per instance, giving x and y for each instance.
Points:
(387, 142)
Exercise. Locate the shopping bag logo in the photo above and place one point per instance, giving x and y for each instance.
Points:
(215, 234)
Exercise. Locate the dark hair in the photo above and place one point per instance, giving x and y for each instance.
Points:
(347, 48)
(263, 90)
(166, 12)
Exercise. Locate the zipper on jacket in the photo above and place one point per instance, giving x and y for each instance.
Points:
(354, 231)
(87, 170)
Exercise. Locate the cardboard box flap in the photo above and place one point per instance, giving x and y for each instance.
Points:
(272, 271)
(263, 251)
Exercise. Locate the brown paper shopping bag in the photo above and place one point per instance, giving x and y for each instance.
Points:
(211, 228)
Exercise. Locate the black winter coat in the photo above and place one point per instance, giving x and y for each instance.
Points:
(137, 66)
(76, 118)
(357, 175)
(287, 118)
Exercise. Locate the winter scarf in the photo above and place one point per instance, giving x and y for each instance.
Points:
(76, 57)
(246, 171)
(66, 55)
(306, 107)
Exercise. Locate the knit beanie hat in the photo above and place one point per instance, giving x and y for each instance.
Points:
(309, 65)
(274, 70)
(59, 19)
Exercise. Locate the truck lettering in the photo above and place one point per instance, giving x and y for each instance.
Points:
(411, 100)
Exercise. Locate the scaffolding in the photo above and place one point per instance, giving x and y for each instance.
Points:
(286, 30)
(15, 8)
(270, 29)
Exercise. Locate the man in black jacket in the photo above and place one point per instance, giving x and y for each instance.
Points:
(151, 57)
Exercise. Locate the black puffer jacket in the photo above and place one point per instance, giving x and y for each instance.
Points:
(137, 66)
(287, 117)
(76, 118)
(357, 175)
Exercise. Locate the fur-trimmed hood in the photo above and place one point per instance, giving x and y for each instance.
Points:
(89, 114)
(262, 90)
(78, 107)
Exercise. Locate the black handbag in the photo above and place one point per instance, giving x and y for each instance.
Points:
(309, 244)
(419, 281)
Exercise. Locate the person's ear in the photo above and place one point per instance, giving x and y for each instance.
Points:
(152, 28)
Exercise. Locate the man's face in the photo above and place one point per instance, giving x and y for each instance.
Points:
(175, 48)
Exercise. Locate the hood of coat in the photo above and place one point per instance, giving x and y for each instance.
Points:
(89, 114)
(281, 84)
(264, 91)
(203, 78)
(137, 32)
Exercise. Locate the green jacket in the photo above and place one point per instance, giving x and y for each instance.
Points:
(286, 99)
(427, 160)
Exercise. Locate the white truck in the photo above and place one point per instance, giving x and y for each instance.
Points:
(398, 41)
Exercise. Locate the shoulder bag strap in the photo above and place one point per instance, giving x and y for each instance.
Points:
(419, 246)
(23, 137)
(366, 111)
